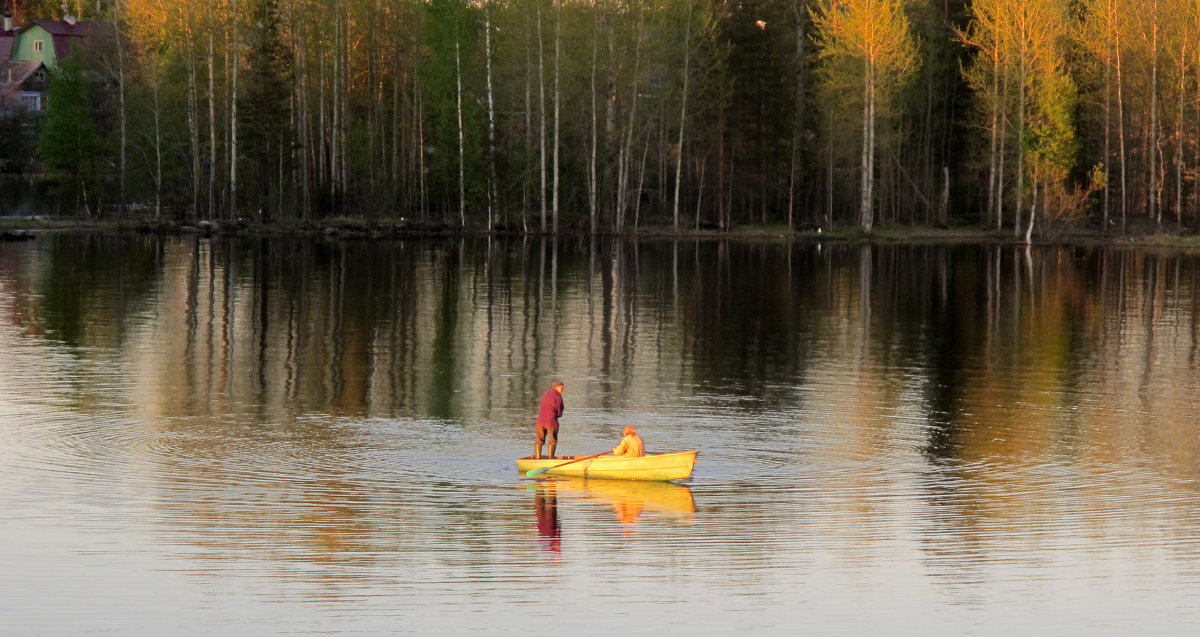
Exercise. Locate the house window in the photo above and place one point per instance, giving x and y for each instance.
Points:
(39, 45)
(32, 102)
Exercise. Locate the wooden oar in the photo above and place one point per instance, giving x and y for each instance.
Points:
(533, 473)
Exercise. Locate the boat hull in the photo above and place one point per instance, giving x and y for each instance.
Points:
(655, 466)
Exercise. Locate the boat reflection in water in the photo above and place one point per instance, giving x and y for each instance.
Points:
(628, 498)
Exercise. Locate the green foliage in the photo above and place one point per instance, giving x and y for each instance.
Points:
(759, 105)
(1053, 133)
(28, 10)
(263, 107)
(69, 146)
(17, 129)
(369, 108)
(867, 48)
(156, 104)
(452, 40)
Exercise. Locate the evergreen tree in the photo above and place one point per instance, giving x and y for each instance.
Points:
(452, 35)
(69, 147)
(265, 107)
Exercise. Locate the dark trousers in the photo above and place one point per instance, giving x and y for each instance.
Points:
(546, 434)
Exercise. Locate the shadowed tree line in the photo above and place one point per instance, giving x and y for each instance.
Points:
(1032, 117)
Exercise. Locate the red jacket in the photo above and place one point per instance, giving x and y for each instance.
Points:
(551, 410)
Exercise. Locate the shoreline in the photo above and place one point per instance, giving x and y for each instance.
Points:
(21, 228)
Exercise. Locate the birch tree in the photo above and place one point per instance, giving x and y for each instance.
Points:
(872, 38)
(986, 35)
(1100, 36)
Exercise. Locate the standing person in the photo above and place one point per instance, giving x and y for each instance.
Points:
(547, 420)
(631, 445)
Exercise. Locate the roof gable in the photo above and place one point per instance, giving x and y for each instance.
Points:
(7, 40)
(62, 27)
(63, 36)
(17, 71)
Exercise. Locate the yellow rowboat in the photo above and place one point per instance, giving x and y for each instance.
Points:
(652, 466)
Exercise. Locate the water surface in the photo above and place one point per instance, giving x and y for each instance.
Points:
(247, 437)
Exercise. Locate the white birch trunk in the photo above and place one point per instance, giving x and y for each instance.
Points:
(212, 130)
(1121, 136)
(424, 184)
(557, 110)
(335, 110)
(866, 184)
(1020, 142)
(1153, 204)
(193, 106)
(1032, 210)
(687, 60)
(593, 185)
(541, 119)
(233, 151)
(1001, 159)
(394, 185)
(344, 135)
(526, 204)
(800, 14)
(1107, 137)
(491, 104)
(462, 183)
(993, 210)
(624, 155)
(157, 142)
(641, 184)
(123, 114)
(303, 123)
(1179, 140)
(321, 134)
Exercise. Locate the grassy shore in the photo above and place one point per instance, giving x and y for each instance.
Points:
(352, 227)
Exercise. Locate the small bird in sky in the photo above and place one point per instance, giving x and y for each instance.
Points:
(762, 24)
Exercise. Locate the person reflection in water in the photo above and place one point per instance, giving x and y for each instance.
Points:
(547, 420)
(631, 445)
(545, 506)
(627, 513)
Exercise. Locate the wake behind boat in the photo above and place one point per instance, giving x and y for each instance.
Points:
(652, 466)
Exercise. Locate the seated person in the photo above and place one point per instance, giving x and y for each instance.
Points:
(631, 444)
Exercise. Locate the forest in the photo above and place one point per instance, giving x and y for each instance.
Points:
(1022, 117)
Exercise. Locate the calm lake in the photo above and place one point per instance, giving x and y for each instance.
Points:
(249, 436)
